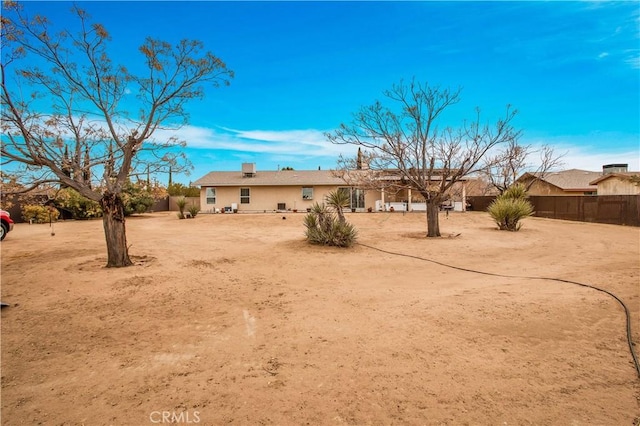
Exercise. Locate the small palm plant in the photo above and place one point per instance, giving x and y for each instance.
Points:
(510, 207)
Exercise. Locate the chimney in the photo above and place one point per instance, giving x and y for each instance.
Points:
(614, 168)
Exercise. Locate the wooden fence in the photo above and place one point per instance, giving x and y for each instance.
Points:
(191, 201)
(160, 205)
(613, 209)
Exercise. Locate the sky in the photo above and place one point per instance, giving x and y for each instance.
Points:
(571, 69)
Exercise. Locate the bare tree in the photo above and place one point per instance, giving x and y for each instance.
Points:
(504, 168)
(72, 116)
(404, 140)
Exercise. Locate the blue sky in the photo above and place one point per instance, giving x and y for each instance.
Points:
(572, 69)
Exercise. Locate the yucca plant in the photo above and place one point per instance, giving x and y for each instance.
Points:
(316, 223)
(193, 210)
(510, 207)
(507, 212)
(338, 201)
(517, 191)
(181, 203)
(325, 227)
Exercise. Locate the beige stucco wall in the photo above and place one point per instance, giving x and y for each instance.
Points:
(267, 198)
(616, 186)
(370, 198)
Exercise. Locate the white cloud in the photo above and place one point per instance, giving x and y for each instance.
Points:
(633, 62)
(308, 147)
(593, 151)
(195, 137)
(578, 158)
(308, 143)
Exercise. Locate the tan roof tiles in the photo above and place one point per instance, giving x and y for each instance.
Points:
(270, 178)
(569, 180)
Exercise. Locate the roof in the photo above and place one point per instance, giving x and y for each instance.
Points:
(286, 178)
(619, 175)
(568, 180)
(270, 178)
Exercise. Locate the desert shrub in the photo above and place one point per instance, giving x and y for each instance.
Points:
(39, 214)
(79, 206)
(323, 226)
(136, 199)
(138, 205)
(193, 210)
(182, 204)
(509, 208)
(338, 201)
(178, 189)
(517, 191)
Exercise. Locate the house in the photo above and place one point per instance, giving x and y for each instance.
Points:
(617, 180)
(251, 190)
(567, 182)
(394, 193)
(618, 184)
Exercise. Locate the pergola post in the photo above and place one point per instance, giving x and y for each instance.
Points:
(464, 195)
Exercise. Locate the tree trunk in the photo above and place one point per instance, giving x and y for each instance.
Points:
(114, 231)
(341, 218)
(433, 223)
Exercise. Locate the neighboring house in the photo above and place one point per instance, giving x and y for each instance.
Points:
(567, 182)
(262, 191)
(622, 183)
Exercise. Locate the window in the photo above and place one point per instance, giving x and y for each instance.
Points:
(245, 196)
(307, 193)
(211, 195)
(356, 197)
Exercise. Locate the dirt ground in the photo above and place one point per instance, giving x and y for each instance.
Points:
(235, 319)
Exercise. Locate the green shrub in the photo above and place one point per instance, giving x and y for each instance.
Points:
(39, 214)
(79, 206)
(338, 201)
(193, 210)
(178, 189)
(509, 208)
(324, 227)
(136, 199)
(517, 191)
(182, 204)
